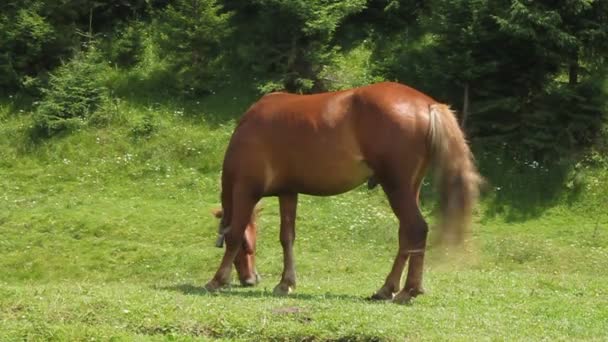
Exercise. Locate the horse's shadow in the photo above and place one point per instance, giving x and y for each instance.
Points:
(248, 292)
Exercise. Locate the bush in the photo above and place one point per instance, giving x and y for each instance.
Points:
(126, 49)
(144, 126)
(351, 69)
(191, 34)
(26, 38)
(576, 122)
(74, 93)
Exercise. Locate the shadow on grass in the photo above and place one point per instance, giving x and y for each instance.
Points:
(249, 292)
(517, 188)
(520, 188)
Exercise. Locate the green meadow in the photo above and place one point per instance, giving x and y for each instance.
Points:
(106, 234)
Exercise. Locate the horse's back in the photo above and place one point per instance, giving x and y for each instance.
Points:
(324, 143)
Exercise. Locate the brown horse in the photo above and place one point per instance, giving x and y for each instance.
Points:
(326, 144)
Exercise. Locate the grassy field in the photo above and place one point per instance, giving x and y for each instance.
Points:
(106, 234)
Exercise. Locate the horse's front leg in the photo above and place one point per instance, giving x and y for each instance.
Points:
(241, 215)
(288, 205)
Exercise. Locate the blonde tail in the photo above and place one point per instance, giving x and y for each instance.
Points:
(457, 176)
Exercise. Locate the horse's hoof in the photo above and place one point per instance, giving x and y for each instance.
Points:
(378, 297)
(251, 281)
(402, 298)
(283, 289)
(382, 294)
(214, 285)
(406, 296)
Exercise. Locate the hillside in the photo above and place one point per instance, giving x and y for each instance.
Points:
(107, 233)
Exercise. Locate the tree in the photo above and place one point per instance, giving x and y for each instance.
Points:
(287, 42)
(37, 35)
(26, 36)
(571, 37)
(569, 31)
(513, 61)
(192, 35)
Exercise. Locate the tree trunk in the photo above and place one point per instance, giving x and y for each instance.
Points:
(90, 26)
(465, 106)
(573, 70)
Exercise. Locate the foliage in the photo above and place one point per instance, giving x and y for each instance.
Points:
(292, 57)
(515, 60)
(507, 62)
(567, 38)
(144, 126)
(353, 68)
(192, 35)
(26, 38)
(37, 36)
(126, 48)
(575, 123)
(75, 92)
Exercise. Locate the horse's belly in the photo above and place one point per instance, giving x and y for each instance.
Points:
(331, 178)
(324, 162)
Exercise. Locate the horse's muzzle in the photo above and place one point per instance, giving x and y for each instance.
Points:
(219, 243)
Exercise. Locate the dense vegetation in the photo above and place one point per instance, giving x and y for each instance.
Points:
(114, 117)
(531, 73)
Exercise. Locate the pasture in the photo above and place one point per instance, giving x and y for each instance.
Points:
(107, 234)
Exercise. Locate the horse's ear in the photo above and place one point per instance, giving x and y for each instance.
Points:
(218, 213)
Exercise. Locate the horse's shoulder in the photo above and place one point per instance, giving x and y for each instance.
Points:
(267, 104)
(277, 96)
(393, 92)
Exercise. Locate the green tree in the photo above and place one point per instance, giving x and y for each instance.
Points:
(570, 37)
(571, 32)
(193, 35)
(26, 36)
(36, 35)
(510, 63)
(287, 42)
(74, 93)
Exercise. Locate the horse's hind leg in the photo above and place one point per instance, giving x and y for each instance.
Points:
(288, 205)
(415, 233)
(412, 242)
(393, 280)
(241, 215)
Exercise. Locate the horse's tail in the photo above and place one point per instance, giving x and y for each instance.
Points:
(457, 176)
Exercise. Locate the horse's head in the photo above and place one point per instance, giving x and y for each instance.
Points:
(222, 227)
(245, 259)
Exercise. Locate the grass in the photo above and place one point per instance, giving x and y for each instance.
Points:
(106, 234)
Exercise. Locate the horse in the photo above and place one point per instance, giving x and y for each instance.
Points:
(329, 143)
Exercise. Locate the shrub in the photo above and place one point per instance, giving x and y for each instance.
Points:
(350, 69)
(144, 126)
(75, 91)
(126, 49)
(191, 34)
(26, 38)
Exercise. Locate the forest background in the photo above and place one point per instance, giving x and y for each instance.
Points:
(530, 73)
(115, 115)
